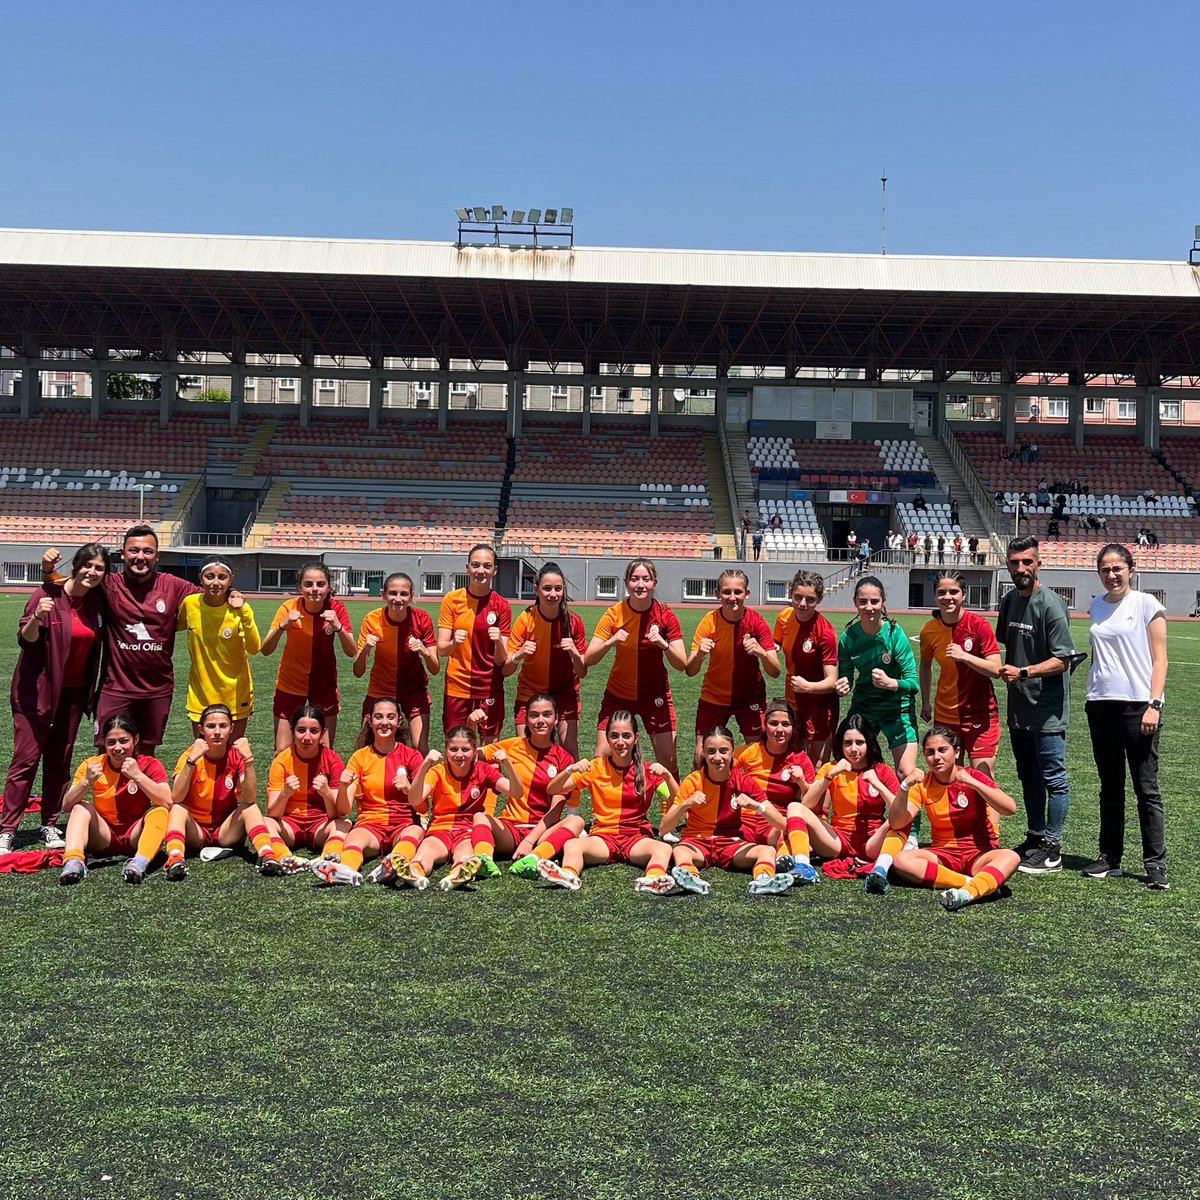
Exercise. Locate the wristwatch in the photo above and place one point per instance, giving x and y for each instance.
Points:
(1023, 673)
(1157, 705)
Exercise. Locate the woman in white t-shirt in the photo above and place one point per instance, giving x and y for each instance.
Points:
(1124, 711)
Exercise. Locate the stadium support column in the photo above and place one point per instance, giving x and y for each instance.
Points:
(937, 418)
(722, 406)
(99, 397)
(375, 408)
(1008, 416)
(1075, 414)
(306, 384)
(237, 392)
(31, 387)
(444, 396)
(516, 402)
(1149, 418)
(166, 394)
(655, 397)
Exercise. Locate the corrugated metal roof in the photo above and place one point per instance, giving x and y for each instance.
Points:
(600, 265)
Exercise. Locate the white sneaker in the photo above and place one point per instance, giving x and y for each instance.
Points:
(911, 842)
(6, 843)
(52, 838)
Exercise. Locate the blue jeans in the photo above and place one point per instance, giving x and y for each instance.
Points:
(1042, 769)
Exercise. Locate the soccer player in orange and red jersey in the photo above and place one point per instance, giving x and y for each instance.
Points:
(301, 802)
(726, 824)
(810, 653)
(547, 646)
(644, 632)
(968, 657)
(963, 858)
(213, 798)
(784, 775)
(472, 626)
(378, 778)
(311, 622)
(621, 787)
(738, 645)
(127, 809)
(405, 647)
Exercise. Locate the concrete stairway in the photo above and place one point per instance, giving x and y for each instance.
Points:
(248, 467)
(268, 514)
(949, 478)
(718, 498)
(169, 529)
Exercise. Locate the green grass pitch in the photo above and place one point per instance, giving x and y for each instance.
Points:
(237, 1037)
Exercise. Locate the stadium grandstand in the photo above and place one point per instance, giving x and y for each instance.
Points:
(367, 401)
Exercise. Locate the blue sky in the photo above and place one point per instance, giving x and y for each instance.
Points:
(1010, 129)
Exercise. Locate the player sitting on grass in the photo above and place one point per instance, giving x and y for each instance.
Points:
(126, 812)
(727, 822)
(457, 792)
(963, 857)
(621, 787)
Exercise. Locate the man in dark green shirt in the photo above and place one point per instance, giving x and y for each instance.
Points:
(1034, 627)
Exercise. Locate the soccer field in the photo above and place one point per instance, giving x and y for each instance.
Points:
(232, 1036)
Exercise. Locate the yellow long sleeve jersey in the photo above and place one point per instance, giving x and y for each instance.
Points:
(220, 642)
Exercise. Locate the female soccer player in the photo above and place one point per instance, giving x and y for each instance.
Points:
(621, 787)
(963, 859)
(472, 626)
(964, 647)
(644, 632)
(379, 778)
(221, 637)
(738, 645)
(404, 643)
(721, 802)
(855, 790)
(810, 653)
(546, 646)
(213, 798)
(59, 639)
(878, 650)
(126, 809)
(301, 802)
(1125, 687)
(456, 793)
(311, 621)
(784, 775)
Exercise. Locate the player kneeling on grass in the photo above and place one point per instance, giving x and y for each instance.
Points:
(380, 778)
(621, 787)
(963, 857)
(126, 807)
(728, 819)
(213, 799)
(456, 791)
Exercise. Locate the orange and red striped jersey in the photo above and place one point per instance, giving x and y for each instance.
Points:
(717, 817)
(731, 676)
(962, 695)
(396, 671)
(471, 669)
(215, 786)
(856, 807)
(378, 800)
(118, 800)
(455, 801)
(305, 801)
(550, 669)
(638, 670)
(959, 818)
(307, 662)
(534, 768)
(617, 806)
(807, 648)
(784, 778)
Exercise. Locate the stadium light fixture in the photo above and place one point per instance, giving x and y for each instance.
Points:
(462, 214)
(552, 216)
(518, 216)
(535, 216)
(497, 212)
(567, 215)
(481, 214)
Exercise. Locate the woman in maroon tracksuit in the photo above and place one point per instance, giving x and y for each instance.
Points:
(59, 637)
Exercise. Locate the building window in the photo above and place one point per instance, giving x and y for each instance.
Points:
(1159, 594)
(278, 578)
(1168, 410)
(327, 385)
(463, 389)
(700, 589)
(20, 572)
(1093, 406)
(777, 591)
(431, 583)
(606, 587)
(1126, 410)
(978, 595)
(597, 393)
(460, 580)
(1005, 588)
(558, 391)
(1068, 596)
(62, 390)
(287, 385)
(422, 389)
(249, 384)
(1058, 407)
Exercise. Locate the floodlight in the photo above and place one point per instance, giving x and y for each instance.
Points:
(1198, 233)
(552, 216)
(568, 215)
(462, 214)
(497, 212)
(518, 216)
(535, 215)
(481, 214)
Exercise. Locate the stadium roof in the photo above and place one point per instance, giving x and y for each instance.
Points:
(340, 297)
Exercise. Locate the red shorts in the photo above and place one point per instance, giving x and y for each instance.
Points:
(412, 705)
(456, 710)
(566, 702)
(980, 739)
(749, 717)
(849, 849)
(816, 717)
(304, 827)
(388, 835)
(959, 860)
(715, 851)
(518, 830)
(149, 712)
(620, 844)
(121, 844)
(209, 834)
(657, 715)
(453, 837)
(286, 703)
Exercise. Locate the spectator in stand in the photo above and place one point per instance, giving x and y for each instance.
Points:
(958, 549)
(1052, 530)
(918, 503)
(1033, 452)
(864, 554)
(1042, 496)
(1081, 522)
(1043, 484)
(745, 531)
(1024, 452)
(927, 546)
(1151, 537)
(895, 543)
(1101, 521)
(776, 521)
(953, 511)
(756, 539)
(973, 549)
(911, 542)
(941, 548)
(852, 544)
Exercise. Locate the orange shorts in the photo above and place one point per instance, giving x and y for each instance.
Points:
(715, 851)
(656, 715)
(620, 844)
(749, 717)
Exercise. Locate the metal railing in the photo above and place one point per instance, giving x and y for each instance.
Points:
(731, 491)
(977, 489)
(214, 539)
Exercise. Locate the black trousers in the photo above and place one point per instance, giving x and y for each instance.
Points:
(1117, 740)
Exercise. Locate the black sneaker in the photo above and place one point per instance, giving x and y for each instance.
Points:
(1101, 869)
(1045, 857)
(1156, 879)
(1032, 842)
